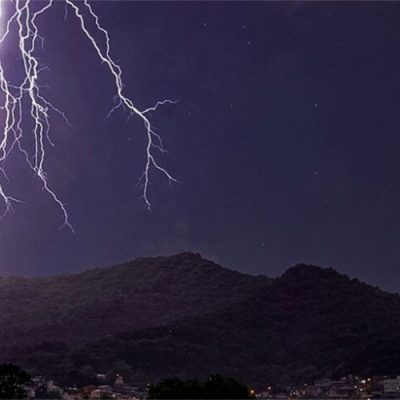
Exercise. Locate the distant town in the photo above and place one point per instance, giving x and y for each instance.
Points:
(349, 387)
(42, 388)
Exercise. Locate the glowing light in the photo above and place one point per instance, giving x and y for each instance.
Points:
(23, 20)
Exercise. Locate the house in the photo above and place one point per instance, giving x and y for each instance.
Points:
(391, 385)
(119, 380)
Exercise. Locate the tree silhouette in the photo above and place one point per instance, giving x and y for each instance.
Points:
(12, 382)
(215, 387)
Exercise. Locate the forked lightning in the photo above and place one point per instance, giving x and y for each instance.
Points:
(26, 93)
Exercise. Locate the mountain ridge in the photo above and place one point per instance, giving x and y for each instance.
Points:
(186, 316)
(152, 290)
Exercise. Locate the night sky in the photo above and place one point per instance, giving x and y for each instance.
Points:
(285, 139)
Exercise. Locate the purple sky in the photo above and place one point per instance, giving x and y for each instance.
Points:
(285, 138)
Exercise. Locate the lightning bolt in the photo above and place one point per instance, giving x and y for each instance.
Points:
(23, 19)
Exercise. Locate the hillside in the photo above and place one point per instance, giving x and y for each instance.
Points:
(146, 292)
(309, 323)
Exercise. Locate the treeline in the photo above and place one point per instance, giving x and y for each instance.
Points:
(12, 382)
(215, 387)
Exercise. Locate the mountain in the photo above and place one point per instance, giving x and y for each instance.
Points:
(185, 316)
(143, 293)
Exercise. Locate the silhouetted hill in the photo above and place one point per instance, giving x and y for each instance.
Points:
(309, 323)
(145, 292)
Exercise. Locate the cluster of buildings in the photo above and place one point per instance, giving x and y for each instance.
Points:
(349, 387)
(40, 388)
